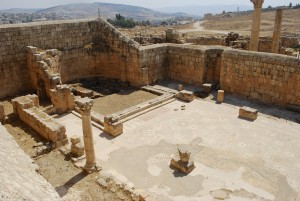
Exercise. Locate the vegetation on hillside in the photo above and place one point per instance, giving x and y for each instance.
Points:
(123, 22)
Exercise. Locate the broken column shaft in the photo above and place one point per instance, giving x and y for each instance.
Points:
(277, 31)
(254, 39)
(85, 105)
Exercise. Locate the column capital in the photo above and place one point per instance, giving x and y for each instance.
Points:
(84, 105)
(257, 3)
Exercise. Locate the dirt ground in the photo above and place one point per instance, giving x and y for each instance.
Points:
(70, 182)
(121, 101)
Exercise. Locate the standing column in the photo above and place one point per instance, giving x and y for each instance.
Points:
(254, 40)
(84, 105)
(277, 31)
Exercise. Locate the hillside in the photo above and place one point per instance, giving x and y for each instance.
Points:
(108, 10)
(201, 10)
(20, 10)
(241, 23)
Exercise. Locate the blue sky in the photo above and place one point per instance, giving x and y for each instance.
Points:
(5, 4)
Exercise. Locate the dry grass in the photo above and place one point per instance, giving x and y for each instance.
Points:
(242, 23)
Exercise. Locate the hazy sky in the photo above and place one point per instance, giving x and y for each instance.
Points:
(5, 4)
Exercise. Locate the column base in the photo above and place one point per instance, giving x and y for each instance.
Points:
(90, 168)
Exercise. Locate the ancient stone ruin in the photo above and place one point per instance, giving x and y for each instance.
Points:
(83, 80)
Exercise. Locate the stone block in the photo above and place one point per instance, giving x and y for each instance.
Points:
(248, 113)
(185, 95)
(2, 113)
(113, 129)
(220, 98)
(25, 102)
(180, 87)
(80, 91)
(207, 88)
(75, 140)
(77, 149)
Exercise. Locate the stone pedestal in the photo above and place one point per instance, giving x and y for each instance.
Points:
(220, 98)
(248, 113)
(277, 31)
(182, 162)
(112, 126)
(254, 39)
(85, 105)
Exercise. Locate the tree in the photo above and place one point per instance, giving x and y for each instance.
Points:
(290, 5)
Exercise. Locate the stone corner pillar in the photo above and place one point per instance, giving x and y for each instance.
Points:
(254, 39)
(84, 105)
(277, 31)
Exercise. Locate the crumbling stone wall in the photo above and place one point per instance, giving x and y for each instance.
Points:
(261, 76)
(89, 48)
(26, 107)
(44, 70)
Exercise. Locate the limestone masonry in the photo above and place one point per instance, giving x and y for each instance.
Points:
(93, 48)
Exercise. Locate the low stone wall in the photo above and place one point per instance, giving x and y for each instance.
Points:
(290, 41)
(206, 41)
(26, 107)
(265, 45)
(263, 77)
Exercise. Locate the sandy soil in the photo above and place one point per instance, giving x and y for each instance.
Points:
(121, 101)
(69, 181)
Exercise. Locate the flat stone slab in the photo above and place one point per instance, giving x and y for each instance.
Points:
(248, 113)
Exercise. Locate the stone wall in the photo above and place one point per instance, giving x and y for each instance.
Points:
(153, 62)
(86, 45)
(264, 77)
(186, 64)
(290, 41)
(194, 64)
(206, 41)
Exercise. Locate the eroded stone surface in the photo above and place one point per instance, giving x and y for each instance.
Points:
(19, 179)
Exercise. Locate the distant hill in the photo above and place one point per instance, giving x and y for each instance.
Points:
(201, 10)
(20, 10)
(108, 10)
